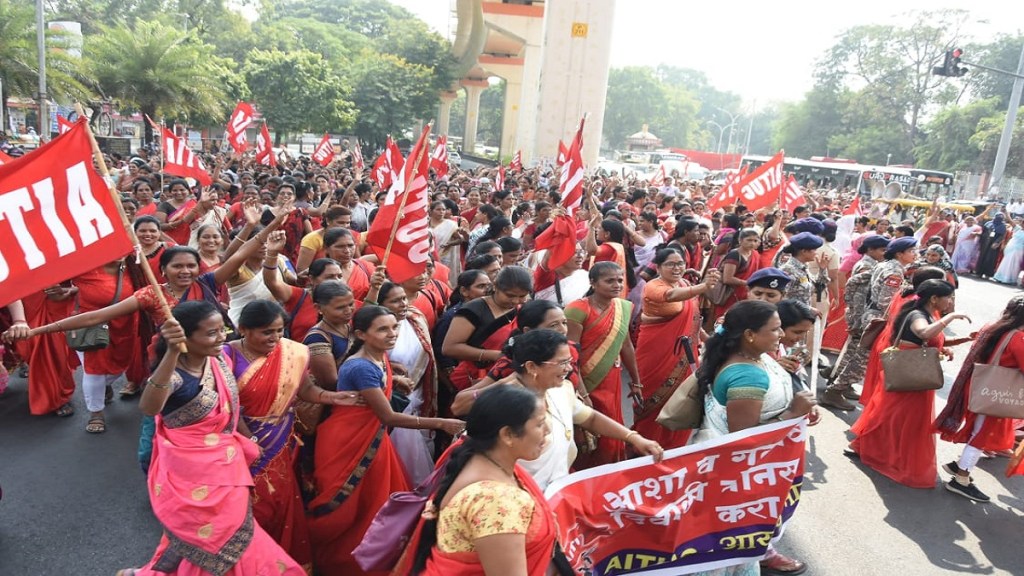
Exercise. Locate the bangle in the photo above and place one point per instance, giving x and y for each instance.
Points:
(19, 322)
(476, 394)
(631, 432)
(57, 327)
(320, 396)
(417, 421)
(149, 382)
(274, 267)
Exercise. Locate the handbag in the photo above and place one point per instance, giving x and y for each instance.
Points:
(392, 528)
(995, 390)
(93, 337)
(913, 369)
(871, 333)
(684, 410)
(720, 293)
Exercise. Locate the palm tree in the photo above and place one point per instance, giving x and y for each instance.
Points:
(19, 58)
(159, 70)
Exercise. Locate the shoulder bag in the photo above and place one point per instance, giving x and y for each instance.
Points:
(997, 391)
(93, 337)
(913, 369)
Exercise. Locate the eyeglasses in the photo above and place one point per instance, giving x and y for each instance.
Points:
(674, 264)
(565, 364)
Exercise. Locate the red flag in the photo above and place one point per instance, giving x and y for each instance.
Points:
(517, 161)
(324, 152)
(659, 176)
(264, 151)
(240, 119)
(763, 186)
(563, 153)
(854, 208)
(57, 217)
(411, 247)
(388, 164)
(792, 195)
(570, 185)
(560, 240)
(4, 159)
(499, 180)
(63, 125)
(439, 158)
(179, 160)
(729, 191)
(357, 157)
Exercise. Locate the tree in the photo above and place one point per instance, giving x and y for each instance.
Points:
(635, 97)
(370, 18)
(1002, 53)
(412, 41)
(297, 91)
(948, 145)
(390, 94)
(160, 70)
(986, 139)
(490, 119)
(803, 129)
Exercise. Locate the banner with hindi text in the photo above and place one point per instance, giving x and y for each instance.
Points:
(705, 506)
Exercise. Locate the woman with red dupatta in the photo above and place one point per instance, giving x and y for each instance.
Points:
(272, 372)
(670, 311)
(51, 382)
(179, 211)
(356, 466)
(612, 234)
(482, 326)
(737, 266)
(600, 323)
(488, 515)
(895, 434)
(199, 480)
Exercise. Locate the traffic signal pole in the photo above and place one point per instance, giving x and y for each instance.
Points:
(1011, 119)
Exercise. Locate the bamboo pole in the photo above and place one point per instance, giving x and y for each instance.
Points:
(409, 175)
(143, 262)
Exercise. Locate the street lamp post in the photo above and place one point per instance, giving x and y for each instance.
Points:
(888, 157)
(732, 123)
(44, 116)
(721, 131)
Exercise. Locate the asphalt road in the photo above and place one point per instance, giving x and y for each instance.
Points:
(76, 503)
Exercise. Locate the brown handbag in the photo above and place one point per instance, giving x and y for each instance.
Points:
(995, 390)
(913, 369)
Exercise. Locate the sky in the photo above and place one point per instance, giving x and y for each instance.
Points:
(761, 50)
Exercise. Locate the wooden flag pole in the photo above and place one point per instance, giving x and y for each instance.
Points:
(410, 174)
(143, 261)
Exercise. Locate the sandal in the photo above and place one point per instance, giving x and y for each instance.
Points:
(130, 389)
(776, 564)
(65, 410)
(97, 424)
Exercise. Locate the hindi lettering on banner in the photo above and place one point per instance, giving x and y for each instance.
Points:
(57, 217)
(710, 505)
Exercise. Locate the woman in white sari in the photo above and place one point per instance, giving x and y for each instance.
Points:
(448, 238)
(745, 387)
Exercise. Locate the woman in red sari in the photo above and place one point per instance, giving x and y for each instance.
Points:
(488, 515)
(1003, 339)
(670, 311)
(895, 434)
(51, 382)
(271, 372)
(482, 326)
(356, 466)
(612, 235)
(199, 480)
(737, 266)
(147, 230)
(177, 213)
(600, 323)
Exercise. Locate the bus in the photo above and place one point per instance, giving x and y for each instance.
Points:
(871, 182)
(930, 184)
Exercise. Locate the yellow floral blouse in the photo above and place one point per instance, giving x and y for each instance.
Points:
(482, 509)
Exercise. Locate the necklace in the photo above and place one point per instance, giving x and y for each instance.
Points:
(335, 329)
(495, 462)
(742, 354)
(568, 429)
(189, 369)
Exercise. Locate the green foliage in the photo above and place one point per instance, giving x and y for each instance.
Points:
(390, 95)
(949, 143)
(159, 70)
(986, 139)
(489, 122)
(1002, 53)
(297, 91)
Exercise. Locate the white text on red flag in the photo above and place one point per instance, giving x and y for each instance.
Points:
(324, 152)
(240, 120)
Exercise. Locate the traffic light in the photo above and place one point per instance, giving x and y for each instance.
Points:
(951, 64)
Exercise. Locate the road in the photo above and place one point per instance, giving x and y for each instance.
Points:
(75, 503)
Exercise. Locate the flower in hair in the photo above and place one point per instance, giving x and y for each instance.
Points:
(720, 330)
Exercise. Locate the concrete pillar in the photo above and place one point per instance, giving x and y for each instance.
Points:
(445, 113)
(510, 121)
(473, 90)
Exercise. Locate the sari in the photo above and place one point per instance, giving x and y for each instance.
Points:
(357, 470)
(183, 232)
(744, 269)
(874, 375)
(266, 392)
(249, 287)
(451, 256)
(199, 484)
(965, 253)
(490, 333)
(601, 341)
(895, 435)
(658, 353)
(540, 541)
(51, 381)
(612, 252)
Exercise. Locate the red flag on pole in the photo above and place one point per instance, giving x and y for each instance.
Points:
(563, 153)
(264, 151)
(763, 186)
(517, 161)
(401, 224)
(63, 125)
(324, 152)
(388, 164)
(179, 160)
(659, 176)
(499, 180)
(240, 119)
(729, 192)
(357, 157)
(570, 185)
(792, 195)
(854, 208)
(439, 158)
(57, 217)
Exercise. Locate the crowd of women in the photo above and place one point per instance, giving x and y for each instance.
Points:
(294, 387)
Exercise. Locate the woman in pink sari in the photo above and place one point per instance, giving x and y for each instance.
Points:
(199, 480)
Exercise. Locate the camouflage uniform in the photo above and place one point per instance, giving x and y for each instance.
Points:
(854, 362)
(801, 288)
(886, 280)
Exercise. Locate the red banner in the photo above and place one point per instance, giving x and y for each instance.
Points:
(792, 195)
(57, 217)
(729, 192)
(517, 162)
(570, 184)
(357, 157)
(388, 164)
(439, 158)
(264, 151)
(180, 160)
(63, 125)
(240, 119)
(324, 152)
(762, 187)
(715, 504)
(499, 179)
(4, 159)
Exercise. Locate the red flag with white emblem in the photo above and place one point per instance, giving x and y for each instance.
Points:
(264, 152)
(729, 191)
(499, 180)
(179, 160)
(517, 161)
(854, 208)
(57, 217)
(323, 154)
(762, 187)
(357, 157)
(792, 195)
(563, 153)
(240, 119)
(63, 125)
(439, 157)
(570, 185)
(400, 232)
(388, 164)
